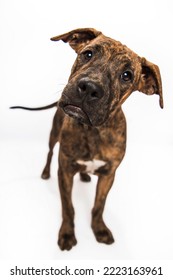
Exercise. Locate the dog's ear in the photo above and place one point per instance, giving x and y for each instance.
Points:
(78, 38)
(150, 80)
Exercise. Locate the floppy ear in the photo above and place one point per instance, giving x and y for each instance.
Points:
(78, 38)
(150, 80)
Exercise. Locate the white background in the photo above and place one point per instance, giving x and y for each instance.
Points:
(33, 71)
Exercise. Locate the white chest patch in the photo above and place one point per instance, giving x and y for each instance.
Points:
(92, 165)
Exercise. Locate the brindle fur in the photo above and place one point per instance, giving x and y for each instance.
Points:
(95, 126)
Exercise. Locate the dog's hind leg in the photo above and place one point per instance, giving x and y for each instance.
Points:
(53, 139)
(85, 177)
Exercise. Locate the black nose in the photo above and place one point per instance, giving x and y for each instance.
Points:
(89, 90)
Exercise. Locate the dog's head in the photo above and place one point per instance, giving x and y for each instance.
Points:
(104, 74)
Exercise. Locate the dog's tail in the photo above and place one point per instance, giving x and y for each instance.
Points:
(36, 108)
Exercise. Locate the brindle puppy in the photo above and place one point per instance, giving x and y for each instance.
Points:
(89, 122)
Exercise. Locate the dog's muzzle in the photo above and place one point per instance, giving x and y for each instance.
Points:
(82, 101)
(76, 113)
(89, 91)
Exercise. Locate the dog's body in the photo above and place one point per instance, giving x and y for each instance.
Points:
(86, 149)
(89, 122)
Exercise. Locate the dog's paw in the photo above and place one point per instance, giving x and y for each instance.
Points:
(103, 234)
(66, 241)
(85, 177)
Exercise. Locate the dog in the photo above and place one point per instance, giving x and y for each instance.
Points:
(89, 122)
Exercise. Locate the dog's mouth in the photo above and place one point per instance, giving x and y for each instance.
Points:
(77, 113)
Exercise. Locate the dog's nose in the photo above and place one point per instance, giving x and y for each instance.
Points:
(89, 90)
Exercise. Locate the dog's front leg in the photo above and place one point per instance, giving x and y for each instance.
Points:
(102, 233)
(67, 237)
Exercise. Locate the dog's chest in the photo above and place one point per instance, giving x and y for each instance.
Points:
(91, 165)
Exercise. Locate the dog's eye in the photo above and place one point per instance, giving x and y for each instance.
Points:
(87, 55)
(127, 76)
